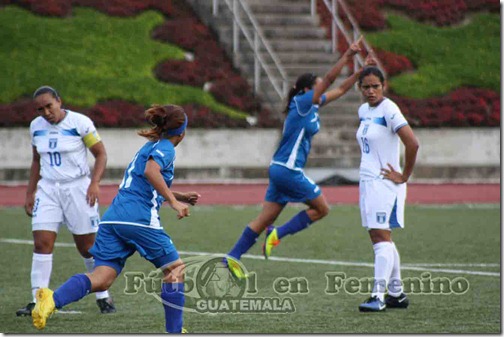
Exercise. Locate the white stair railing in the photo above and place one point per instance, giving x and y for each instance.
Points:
(257, 42)
(337, 24)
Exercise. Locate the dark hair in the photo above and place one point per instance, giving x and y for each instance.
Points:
(371, 71)
(44, 90)
(304, 81)
(163, 118)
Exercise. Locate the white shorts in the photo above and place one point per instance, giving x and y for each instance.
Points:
(57, 203)
(382, 204)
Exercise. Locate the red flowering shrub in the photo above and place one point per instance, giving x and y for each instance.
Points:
(393, 63)
(119, 114)
(462, 107)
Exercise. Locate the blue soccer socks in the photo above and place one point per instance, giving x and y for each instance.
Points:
(173, 303)
(299, 222)
(75, 288)
(246, 240)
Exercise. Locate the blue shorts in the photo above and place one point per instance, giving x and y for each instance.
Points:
(287, 185)
(114, 243)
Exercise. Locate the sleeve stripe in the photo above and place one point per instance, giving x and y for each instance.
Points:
(91, 139)
(400, 126)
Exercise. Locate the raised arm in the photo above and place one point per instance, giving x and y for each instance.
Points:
(334, 94)
(329, 78)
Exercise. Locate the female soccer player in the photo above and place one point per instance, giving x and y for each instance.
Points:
(132, 224)
(382, 186)
(287, 182)
(64, 192)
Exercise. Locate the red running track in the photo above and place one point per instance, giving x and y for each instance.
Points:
(253, 194)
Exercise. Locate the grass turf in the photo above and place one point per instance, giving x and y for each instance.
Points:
(91, 57)
(453, 234)
(445, 58)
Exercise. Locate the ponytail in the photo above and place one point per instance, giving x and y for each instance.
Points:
(163, 119)
(304, 81)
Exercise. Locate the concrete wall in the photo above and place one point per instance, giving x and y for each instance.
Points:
(222, 150)
(459, 147)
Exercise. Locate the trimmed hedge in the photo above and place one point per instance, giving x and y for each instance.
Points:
(465, 106)
(210, 65)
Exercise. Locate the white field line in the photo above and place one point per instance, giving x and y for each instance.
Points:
(418, 267)
(68, 312)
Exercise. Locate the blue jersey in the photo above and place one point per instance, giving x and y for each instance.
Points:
(301, 124)
(137, 202)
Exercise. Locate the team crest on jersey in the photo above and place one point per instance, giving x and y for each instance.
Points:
(381, 217)
(53, 142)
(366, 127)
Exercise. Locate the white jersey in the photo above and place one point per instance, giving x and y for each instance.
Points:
(377, 138)
(62, 146)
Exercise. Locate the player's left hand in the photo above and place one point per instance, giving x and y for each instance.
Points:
(393, 175)
(92, 194)
(192, 197)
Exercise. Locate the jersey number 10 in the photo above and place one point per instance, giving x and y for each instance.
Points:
(55, 158)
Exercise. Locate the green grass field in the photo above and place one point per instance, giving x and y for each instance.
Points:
(457, 236)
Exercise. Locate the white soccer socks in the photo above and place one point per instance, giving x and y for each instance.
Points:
(40, 272)
(384, 263)
(395, 287)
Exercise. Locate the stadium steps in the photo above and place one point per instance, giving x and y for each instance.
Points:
(301, 46)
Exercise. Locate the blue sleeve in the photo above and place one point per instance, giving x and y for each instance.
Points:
(323, 99)
(164, 157)
(304, 103)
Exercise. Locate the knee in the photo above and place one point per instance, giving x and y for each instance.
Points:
(101, 283)
(175, 274)
(320, 213)
(84, 252)
(43, 246)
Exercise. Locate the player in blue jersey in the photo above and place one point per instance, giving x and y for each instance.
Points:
(382, 185)
(287, 181)
(132, 224)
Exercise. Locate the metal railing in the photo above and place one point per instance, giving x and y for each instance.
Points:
(333, 7)
(257, 42)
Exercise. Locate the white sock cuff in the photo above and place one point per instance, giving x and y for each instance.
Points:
(42, 257)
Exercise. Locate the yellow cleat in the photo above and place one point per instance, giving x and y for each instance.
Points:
(44, 308)
(235, 267)
(184, 330)
(270, 241)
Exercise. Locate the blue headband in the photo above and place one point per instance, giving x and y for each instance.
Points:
(178, 131)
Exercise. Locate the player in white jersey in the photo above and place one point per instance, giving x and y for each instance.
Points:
(382, 186)
(60, 190)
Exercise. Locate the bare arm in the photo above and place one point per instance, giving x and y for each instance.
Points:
(100, 155)
(329, 78)
(189, 197)
(334, 94)
(411, 149)
(32, 183)
(153, 174)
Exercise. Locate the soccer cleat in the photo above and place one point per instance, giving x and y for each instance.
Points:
(44, 308)
(184, 330)
(106, 305)
(26, 311)
(271, 240)
(400, 302)
(234, 267)
(372, 304)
